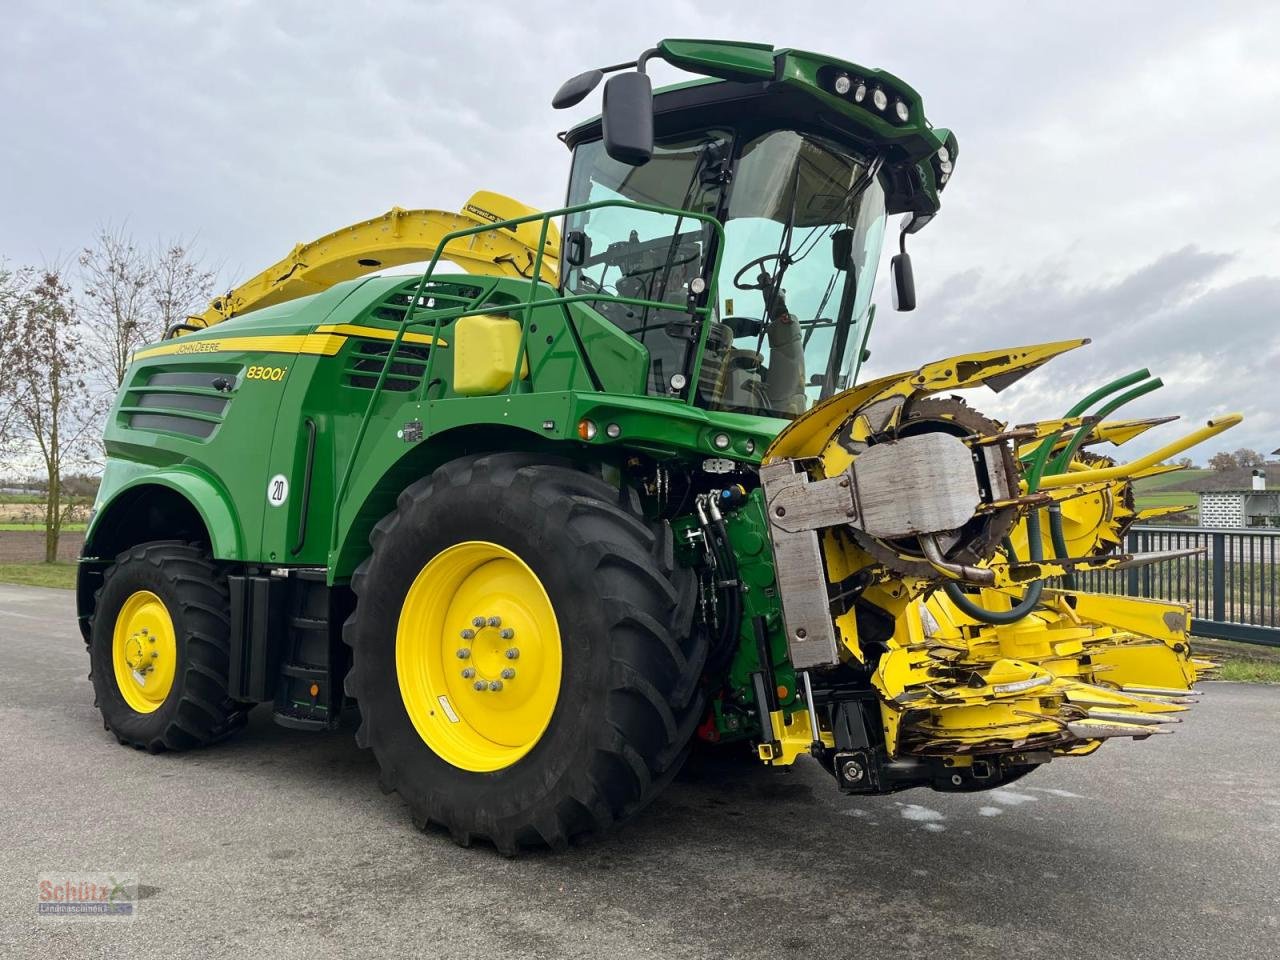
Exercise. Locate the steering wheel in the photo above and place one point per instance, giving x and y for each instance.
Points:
(757, 262)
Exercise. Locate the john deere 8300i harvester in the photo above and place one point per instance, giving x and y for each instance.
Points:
(609, 482)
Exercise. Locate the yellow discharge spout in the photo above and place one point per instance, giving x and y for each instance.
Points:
(1106, 474)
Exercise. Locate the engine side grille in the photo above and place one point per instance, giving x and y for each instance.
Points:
(191, 403)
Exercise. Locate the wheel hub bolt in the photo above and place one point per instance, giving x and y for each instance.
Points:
(480, 685)
(468, 673)
(468, 634)
(513, 653)
(507, 633)
(495, 621)
(477, 621)
(463, 653)
(495, 684)
(508, 674)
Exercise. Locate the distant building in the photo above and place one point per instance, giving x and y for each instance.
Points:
(1255, 506)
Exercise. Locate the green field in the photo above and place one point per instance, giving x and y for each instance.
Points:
(1171, 481)
(1165, 498)
(39, 574)
(1167, 490)
(1243, 662)
(39, 527)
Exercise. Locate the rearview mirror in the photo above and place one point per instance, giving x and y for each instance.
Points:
(627, 118)
(577, 248)
(904, 283)
(574, 89)
(842, 248)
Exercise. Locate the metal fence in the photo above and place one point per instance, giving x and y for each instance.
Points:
(1233, 587)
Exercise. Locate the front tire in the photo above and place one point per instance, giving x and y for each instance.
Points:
(601, 705)
(159, 649)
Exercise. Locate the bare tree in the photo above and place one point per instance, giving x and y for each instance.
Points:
(1222, 461)
(43, 396)
(115, 279)
(1249, 458)
(12, 285)
(181, 283)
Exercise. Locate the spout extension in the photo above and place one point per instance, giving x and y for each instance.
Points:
(1104, 474)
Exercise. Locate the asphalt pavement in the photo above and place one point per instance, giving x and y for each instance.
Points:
(280, 844)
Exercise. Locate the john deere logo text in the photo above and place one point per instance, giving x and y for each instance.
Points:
(200, 346)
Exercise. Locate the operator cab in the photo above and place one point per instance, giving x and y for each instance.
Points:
(803, 214)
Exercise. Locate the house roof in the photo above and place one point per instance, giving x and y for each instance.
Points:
(1210, 493)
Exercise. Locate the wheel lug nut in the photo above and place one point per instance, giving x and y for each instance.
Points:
(477, 621)
(463, 653)
(495, 684)
(155, 654)
(495, 621)
(507, 633)
(508, 674)
(480, 685)
(468, 673)
(468, 634)
(513, 653)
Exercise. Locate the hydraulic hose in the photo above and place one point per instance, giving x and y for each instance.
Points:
(1064, 458)
(727, 643)
(1024, 606)
(1063, 463)
(1105, 390)
(1039, 460)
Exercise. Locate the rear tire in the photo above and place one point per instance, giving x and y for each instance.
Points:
(629, 699)
(152, 589)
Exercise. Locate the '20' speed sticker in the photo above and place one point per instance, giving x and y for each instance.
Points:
(277, 490)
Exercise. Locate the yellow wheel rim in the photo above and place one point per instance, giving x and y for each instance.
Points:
(478, 656)
(144, 651)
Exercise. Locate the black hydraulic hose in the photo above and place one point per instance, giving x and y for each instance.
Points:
(1024, 606)
(1063, 462)
(730, 629)
(1060, 542)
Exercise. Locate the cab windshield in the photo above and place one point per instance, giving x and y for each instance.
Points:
(804, 221)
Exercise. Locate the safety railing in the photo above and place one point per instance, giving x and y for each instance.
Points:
(699, 307)
(1232, 587)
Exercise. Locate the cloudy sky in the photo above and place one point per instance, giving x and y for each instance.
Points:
(1118, 171)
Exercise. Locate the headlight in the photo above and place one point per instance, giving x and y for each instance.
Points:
(901, 110)
(860, 94)
(944, 154)
(842, 84)
(879, 98)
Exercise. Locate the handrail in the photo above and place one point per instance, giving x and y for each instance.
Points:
(439, 318)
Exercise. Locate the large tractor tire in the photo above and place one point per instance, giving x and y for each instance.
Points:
(158, 649)
(523, 653)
